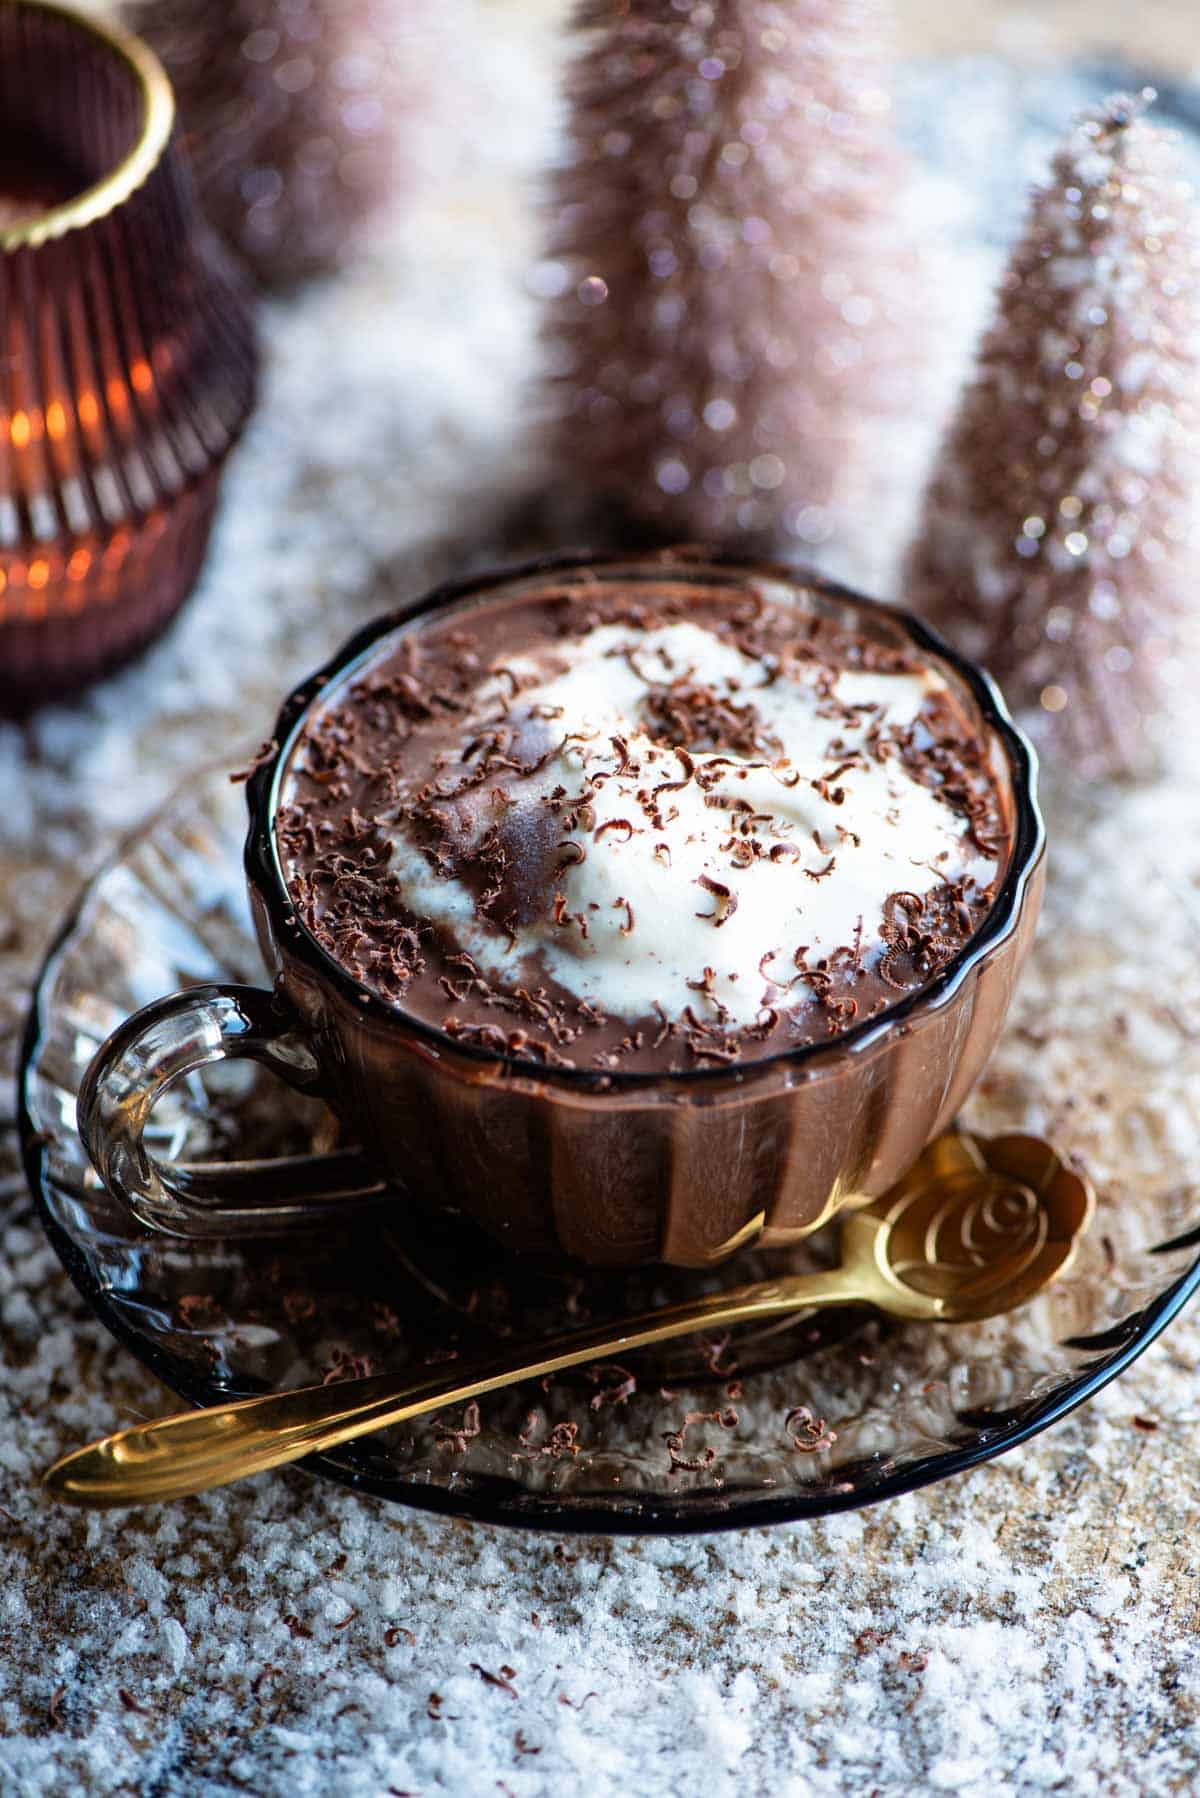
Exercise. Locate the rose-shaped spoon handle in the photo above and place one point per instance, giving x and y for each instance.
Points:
(963, 1236)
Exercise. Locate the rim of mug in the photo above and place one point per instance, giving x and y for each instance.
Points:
(265, 873)
(129, 173)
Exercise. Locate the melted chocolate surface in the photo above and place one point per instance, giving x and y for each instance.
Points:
(435, 749)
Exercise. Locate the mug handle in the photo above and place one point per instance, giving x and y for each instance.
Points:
(160, 1045)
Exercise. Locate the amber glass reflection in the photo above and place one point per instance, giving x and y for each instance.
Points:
(127, 354)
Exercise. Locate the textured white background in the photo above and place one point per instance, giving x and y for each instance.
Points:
(1031, 1628)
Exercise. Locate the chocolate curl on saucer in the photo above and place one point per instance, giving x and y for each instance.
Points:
(1057, 542)
(723, 304)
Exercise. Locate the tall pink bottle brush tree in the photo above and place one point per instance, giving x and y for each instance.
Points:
(1057, 539)
(301, 116)
(724, 255)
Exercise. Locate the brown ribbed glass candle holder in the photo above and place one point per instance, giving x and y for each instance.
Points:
(127, 354)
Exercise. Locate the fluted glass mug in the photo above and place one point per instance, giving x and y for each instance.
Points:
(610, 1169)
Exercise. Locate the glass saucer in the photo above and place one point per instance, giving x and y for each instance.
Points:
(826, 1413)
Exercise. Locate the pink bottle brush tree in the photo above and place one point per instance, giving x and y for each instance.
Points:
(1057, 540)
(728, 293)
(302, 117)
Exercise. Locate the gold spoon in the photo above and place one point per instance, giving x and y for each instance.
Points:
(978, 1227)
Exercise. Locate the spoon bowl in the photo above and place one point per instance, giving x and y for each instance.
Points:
(964, 1237)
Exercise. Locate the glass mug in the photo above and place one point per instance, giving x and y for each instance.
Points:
(611, 1169)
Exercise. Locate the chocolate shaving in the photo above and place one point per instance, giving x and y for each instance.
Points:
(784, 985)
(258, 760)
(681, 1463)
(561, 1440)
(346, 1366)
(455, 1439)
(502, 1681)
(809, 1434)
(617, 1386)
(676, 786)
(726, 900)
(886, 969)
(717, 1360)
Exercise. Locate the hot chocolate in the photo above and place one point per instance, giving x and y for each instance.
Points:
(669, 827)
(637, 909)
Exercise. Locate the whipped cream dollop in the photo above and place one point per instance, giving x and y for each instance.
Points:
(705, 883)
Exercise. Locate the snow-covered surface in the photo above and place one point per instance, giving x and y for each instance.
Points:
(1029, 1629)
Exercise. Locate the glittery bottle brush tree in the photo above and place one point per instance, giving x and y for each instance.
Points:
(1058, 536)
(301, 117)
(723, 309)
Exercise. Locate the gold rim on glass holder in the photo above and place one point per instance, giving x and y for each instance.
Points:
(158, 119)
(977, 1228)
